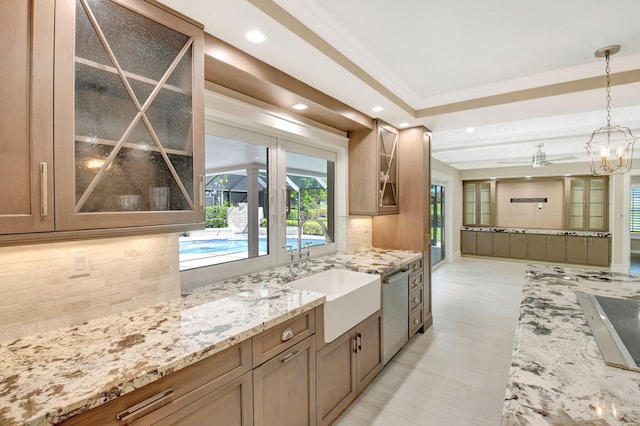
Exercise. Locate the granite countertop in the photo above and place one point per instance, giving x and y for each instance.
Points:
(558, 375)
(49, 377)
(535, 231)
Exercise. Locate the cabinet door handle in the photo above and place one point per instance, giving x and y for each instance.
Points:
(359, 340)
(44, 201)
(416, 321)
(287, 334)
(145, 406)
(355, 344)
(201, 190)
(416, 300)
(288, 357)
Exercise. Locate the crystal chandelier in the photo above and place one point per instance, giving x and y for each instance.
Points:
(610, 147)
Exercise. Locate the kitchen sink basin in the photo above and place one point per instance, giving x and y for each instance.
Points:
(351, 297)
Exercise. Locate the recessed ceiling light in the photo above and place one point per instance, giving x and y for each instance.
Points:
(527, 177)
(567, 174)
(403, 124)
(255, 36)
(471, 129)
(377, 109)
(493, 178)
(300, 107)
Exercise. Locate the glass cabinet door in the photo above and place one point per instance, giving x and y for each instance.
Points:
(485, 203)
(597, 204)
(470, 203)
(388, 144)
(137, 142)
(576, 203)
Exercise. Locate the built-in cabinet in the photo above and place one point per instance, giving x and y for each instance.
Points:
(346, 366)
(373, 171)
(419, 299)
(585, 250)
(26, 122)
(411, 228)
(479, 203)
(588, 250)
(129, 81)
(587, 203)
(128, 78)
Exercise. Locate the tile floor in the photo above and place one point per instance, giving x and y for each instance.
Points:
(456, 373)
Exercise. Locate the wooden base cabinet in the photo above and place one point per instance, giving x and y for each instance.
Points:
(468, 242)
(232, 404)
(216, 390)
(593, 251)
(284, 388)
(346, 366)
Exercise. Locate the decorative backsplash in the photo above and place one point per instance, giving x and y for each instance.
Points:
(37, 294)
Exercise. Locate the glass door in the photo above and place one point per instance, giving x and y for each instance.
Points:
(576, 203)
(437, 224)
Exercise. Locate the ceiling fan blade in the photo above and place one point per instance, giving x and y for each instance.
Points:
(514, 162)
(567, 157)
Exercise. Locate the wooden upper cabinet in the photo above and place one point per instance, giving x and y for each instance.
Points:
(129, 115)
(26, 121)
(373, 170)
(479, 203)
(587, 203)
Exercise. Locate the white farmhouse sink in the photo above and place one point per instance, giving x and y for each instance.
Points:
(351, 297)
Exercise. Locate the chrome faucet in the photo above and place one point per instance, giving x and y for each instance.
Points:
(292, 255)
(305, 254)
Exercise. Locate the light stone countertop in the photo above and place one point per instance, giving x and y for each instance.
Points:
(49, 377)
(558, 375)
(497, 229)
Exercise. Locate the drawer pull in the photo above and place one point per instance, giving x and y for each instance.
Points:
(145, 406)
(359, 341)
(288, 356)
(416, 300)
(287, 334)
(416, 321)
(415, 282)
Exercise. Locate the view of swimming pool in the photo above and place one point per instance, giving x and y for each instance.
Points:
(222, 246)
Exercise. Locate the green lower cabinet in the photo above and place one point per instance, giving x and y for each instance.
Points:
(537, 247)
(501, 244)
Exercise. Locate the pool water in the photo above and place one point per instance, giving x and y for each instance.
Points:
(233, 246)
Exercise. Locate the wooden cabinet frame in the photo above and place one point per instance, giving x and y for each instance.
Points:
(67, 216)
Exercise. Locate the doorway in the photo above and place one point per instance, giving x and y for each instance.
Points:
(437, 224)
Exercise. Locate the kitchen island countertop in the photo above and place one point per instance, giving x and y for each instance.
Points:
(558, 376)
(49, 377)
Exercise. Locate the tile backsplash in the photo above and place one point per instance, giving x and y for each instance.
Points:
(37, 293)
(358, 233)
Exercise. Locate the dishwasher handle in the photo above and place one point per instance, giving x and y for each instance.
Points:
(395, 275)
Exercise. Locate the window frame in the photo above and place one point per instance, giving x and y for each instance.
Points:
(634, 188)
(278, 135)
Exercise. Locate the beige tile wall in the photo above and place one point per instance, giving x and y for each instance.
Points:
(36, 293)
(358, 235)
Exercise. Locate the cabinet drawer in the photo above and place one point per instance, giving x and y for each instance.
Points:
(276, 339)
(415, 280)
(416, 297)
(168, 394)
(416, 319)
(415, 266)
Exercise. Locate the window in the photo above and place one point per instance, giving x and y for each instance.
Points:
(263, 194)
(635, 208)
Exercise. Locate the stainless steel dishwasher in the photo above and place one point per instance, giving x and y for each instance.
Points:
(395, 311)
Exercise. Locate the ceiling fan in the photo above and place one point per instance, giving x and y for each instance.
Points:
(539, 158)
